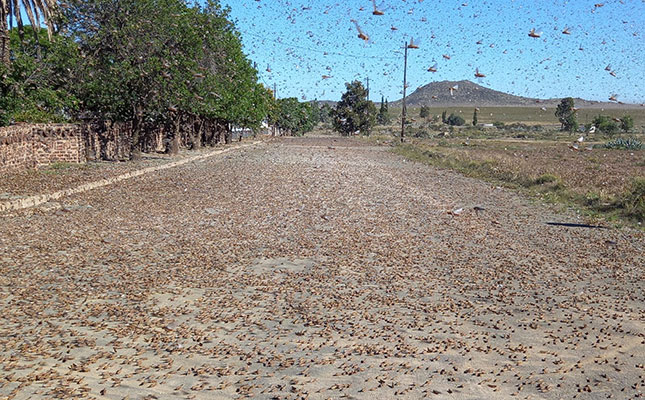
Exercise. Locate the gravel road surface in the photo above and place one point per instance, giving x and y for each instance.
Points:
(315, 268)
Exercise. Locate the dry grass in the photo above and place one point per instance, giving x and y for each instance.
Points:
(603, 182)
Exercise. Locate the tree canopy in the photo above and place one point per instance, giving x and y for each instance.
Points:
(566, 114)
(605, 124)
(35, 10)
(294, 117)
(354, 113)
(36, 87)
(142, 61)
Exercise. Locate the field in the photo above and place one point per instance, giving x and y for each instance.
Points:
(601, 184)
(526, 115)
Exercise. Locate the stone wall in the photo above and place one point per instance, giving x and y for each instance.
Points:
(107, 141)
(32, 146)
(27, 146)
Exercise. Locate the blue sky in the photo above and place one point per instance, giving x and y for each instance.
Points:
(296, 42)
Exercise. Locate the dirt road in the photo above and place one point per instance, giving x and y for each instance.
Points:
(316, 268)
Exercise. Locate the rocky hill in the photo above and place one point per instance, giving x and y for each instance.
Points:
(438, 94)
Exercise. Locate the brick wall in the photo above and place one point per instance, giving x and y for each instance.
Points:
(27, 146)
(32, 146)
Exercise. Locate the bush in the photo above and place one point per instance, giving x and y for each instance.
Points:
(545, 178)
(498, 124)
(626, 123)
(632, 202)
(624, 144)
(455, 120)
(424, 112)
(592, 199)
(420, 133)
(605, 124)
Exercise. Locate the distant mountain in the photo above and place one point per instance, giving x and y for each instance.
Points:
(438, 94)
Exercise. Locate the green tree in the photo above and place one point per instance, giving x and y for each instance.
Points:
(443, 117)
(455, 120)
(140, 65)
(325, 113)
(315, 112)
(293, 117)
(627, 123)
(354, 113)
(424, 112)
(383, 117)
(605, 124)
(566, 114)
(34, 9)
(36, 86)
(163, 59)
(475, 118)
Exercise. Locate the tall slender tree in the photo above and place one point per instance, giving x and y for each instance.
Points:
(383, 116)
(36, 10)
(566, 113)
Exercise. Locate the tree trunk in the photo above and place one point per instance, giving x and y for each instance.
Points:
(228, 135)
(197, 136)
(172, 147)
(137, 128)
(136, 140)
(4, 36)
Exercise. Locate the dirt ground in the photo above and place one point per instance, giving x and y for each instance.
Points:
(316, 268)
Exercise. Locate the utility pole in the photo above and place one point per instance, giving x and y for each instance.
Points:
(368, 88)
(275, 97)
(405, 84)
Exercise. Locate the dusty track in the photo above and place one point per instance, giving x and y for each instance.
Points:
(315, 268)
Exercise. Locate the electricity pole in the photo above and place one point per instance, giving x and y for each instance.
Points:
(275, 97)
(405, 84)
(368, 88)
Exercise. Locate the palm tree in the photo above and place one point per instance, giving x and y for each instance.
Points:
(36, 11)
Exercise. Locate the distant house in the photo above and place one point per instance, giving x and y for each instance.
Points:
(241, 132)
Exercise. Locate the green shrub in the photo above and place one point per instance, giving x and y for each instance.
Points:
(455, 120)
(624, 144)
(605, 124)
(545, 178)
(626, 123)
(420, 133)
(566, 113)
(632, 202)
(592, 199)
(498, 124)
